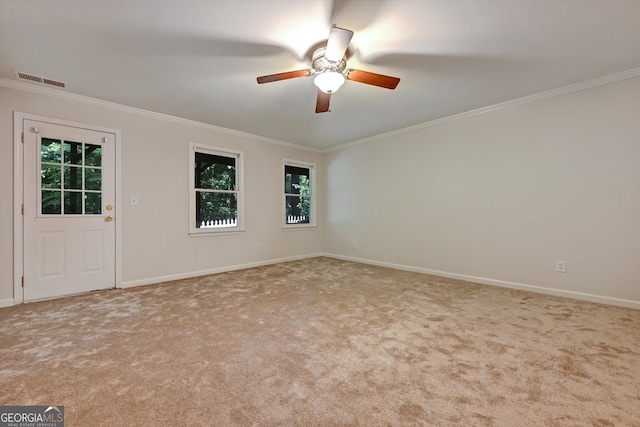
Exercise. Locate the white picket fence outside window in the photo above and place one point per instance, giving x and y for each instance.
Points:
(301, 219)
(233, 222)
(219, 223)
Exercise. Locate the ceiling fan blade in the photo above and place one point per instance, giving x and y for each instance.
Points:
(351, 14)
(337, 44)
(283, 76)
(373, 79)
(322, 103)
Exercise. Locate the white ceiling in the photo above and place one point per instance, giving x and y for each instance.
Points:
(199, 59)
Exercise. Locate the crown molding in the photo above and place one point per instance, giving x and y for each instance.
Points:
(56, 93)
(68, 96)
(588, 84)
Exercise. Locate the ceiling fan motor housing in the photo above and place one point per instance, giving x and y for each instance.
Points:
(320, 63)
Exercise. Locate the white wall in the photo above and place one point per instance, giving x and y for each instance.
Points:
(497, 197)
(501, 196)
(155, 240)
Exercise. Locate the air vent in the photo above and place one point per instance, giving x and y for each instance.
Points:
(24, 76)
(41, 80)
(53, 83)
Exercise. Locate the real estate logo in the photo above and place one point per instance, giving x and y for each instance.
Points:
(32, 416)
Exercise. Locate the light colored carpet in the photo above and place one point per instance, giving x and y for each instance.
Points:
(322, 342)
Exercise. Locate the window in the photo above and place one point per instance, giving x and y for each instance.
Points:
(299, 194)
(216, 190)
(70, 178)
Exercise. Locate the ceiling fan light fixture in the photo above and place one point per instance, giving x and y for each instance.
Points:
(329, 68)
(329, 81)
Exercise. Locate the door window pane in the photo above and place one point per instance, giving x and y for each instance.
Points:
(73, 152)
(50, 176)
(50, 150)
(93, 203)
(72, 202)
(72, 178)
(51, 202)
(92, 179)
(92, 155)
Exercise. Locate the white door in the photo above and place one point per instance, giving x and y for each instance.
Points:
(69, 195)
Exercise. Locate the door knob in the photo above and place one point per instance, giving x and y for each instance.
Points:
(109, 219)
(109, 207)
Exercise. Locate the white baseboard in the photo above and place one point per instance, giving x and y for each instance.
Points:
(6, 302)
(187, 275)
(493, 282)
(501, 283)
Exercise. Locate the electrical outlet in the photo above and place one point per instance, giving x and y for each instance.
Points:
(259, 247)
(561, 266)
(353, 244)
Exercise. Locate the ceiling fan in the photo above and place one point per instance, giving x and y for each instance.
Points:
(329, 66)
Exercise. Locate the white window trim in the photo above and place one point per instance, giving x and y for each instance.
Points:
(312, 173)
(218, 151)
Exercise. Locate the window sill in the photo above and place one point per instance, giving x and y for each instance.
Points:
(215, 233)
(298, 227)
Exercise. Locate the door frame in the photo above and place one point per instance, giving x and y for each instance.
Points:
(18, 196)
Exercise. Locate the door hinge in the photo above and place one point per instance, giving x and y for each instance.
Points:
(22, 137)
(23, 281)
(22, 210)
